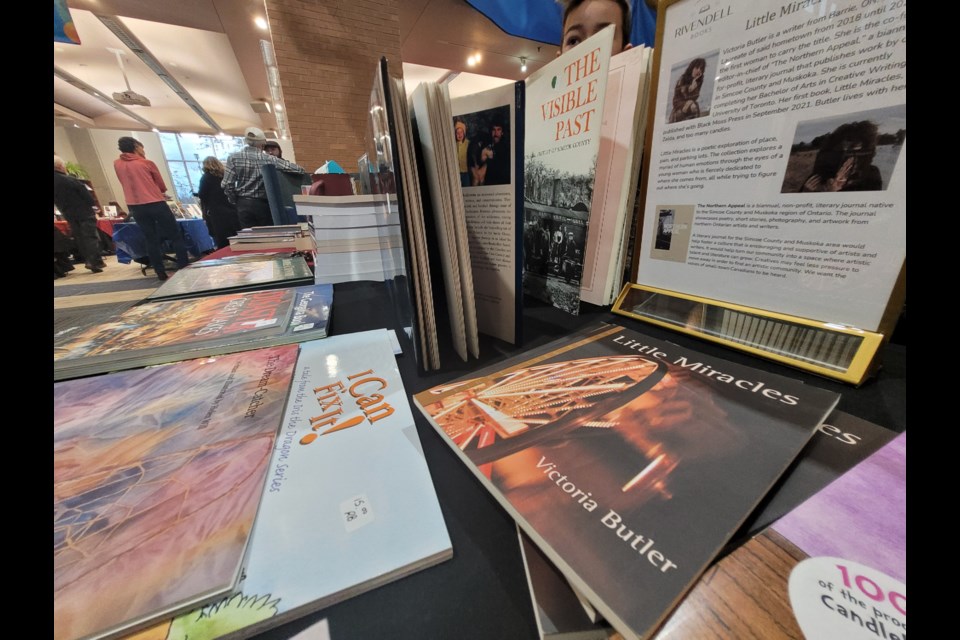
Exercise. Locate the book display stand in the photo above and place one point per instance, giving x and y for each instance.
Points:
(773, 215)
(824, 348)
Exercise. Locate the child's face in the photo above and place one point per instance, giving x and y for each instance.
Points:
(588, 19)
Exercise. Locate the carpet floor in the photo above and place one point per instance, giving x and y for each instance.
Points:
(83, 298)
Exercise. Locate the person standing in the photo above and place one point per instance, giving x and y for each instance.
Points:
(74, 201)
(498, 167)
(243, 181)
(273, 148)
(460, 131)
(218, 213)
(143, 189)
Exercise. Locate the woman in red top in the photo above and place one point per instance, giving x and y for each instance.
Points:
(143, 189)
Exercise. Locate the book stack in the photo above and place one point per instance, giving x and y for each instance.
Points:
(356, 237)
(288, 237)
(628, 461)
(220, 497)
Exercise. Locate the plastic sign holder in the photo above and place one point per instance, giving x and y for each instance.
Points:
(836, 351)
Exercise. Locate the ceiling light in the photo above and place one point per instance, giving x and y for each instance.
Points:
(260, 22)
(476, 57)
(523, 65)
(278, 107)
(471, 61)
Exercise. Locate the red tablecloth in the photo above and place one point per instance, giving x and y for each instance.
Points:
(104, 224)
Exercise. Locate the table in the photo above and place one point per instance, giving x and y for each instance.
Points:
(482, 591)
(131, 245)
(103, 224)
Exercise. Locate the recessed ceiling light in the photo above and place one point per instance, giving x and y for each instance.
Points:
(278, 107)
(260, 22)
(471, 61)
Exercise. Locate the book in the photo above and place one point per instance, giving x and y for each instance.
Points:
(158, 475)
(559, 612)
(498, 165)
(839, 444)
(171, 330)
(834, 567)
(629, 461)
(562, 126)
(239, 273)
(618, 170)
(348, 448)
(412, 292)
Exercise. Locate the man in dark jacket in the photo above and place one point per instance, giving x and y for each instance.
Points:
(74, 201)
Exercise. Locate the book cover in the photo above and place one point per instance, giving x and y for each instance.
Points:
(171, 330)
(158, 474)
(348, 449)
(235, 275)
(629, 461)
(565, 101)
(834, 567)
(839, 444)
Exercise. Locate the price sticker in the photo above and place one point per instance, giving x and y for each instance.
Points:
(356, 512)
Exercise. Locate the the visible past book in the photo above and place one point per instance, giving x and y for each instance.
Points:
(629, 461)
(834, 567)
(157, 477)
(171, 330)
(349, 504)
(236, 273)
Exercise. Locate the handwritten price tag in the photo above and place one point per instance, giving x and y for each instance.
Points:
(356, 512)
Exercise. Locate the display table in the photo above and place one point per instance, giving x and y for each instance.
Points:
(482, 591)
(131, 246)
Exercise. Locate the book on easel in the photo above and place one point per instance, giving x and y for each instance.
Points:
(158, 474)
(349, 481)
(601, 445)
(772, 192)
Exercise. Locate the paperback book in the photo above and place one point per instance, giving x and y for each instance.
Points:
(235, 274)
(349, 480)
(629, 461)
(171, 330)
(839, 444)
(158, 475)
(834, 567)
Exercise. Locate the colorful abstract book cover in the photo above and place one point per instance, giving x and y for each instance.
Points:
(564, 109)
(629, 461)
(244, 274)
(349, 503)
(158, 474)
(166, 330)
(835, 567)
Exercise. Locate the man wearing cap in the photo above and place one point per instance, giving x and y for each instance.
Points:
(143, 189)
(243, 182)
(273, 148)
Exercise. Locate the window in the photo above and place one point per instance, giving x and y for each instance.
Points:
(185, 153)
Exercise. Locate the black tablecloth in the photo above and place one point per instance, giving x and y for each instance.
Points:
(482, 592)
